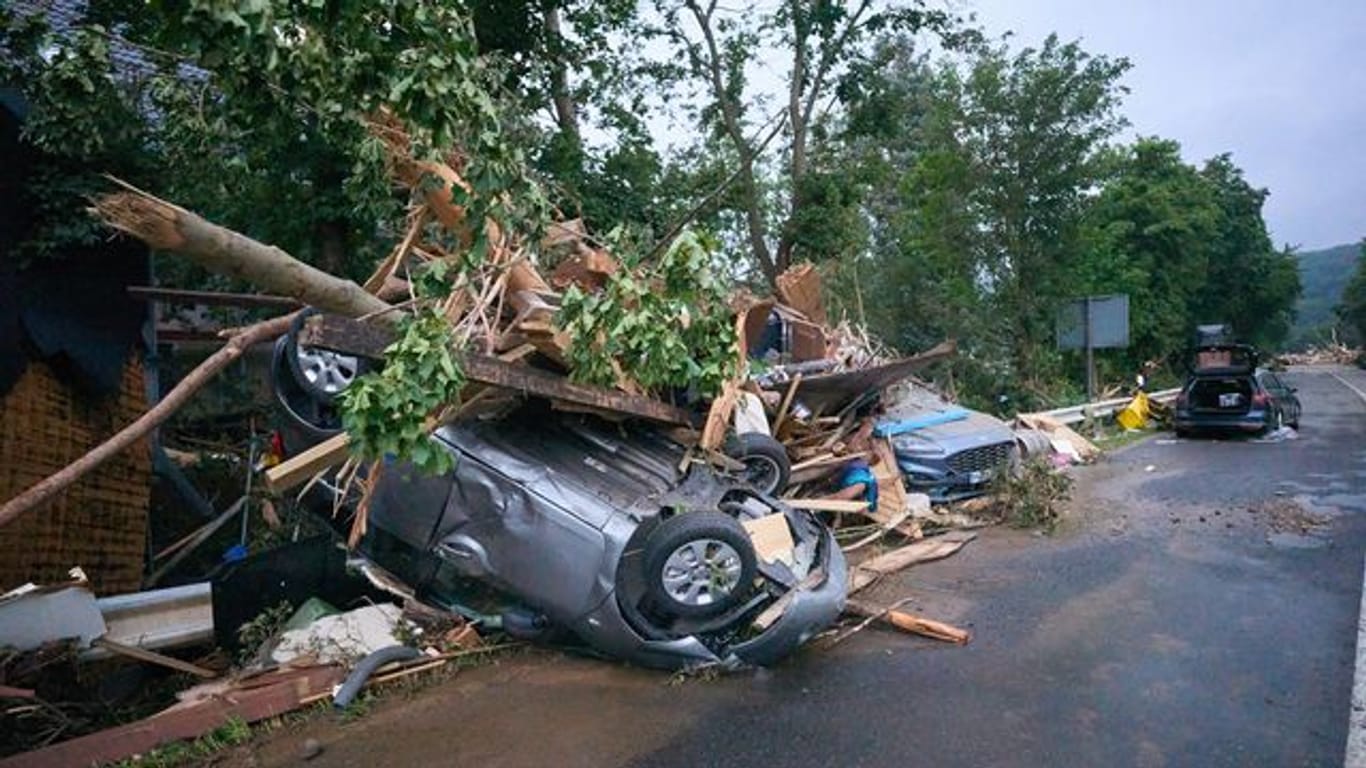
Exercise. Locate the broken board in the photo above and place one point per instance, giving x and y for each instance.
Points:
(937, 548)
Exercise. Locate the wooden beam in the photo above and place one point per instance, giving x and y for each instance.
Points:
(786, 404)
(152, 657)
(828, 505)
(300, 468)
(353, 337)
(910, 622)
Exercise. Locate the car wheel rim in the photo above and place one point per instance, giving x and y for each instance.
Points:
(762, 473)
(701, 572)
(327, 371)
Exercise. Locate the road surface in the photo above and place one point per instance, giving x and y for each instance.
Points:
(1199, 607)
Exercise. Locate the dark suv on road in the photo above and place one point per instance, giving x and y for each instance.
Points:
(1226, 391)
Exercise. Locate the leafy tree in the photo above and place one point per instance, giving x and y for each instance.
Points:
(1352, 309)
(1152, 231)
(985, 174)
(1250, 284)
(779, 202)
(267, 116)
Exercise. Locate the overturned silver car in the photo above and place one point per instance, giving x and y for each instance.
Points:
(592, 527)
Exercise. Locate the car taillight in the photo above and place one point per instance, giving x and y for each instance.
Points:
(1261, 399)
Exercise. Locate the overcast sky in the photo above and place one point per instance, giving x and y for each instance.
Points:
(1281, 85)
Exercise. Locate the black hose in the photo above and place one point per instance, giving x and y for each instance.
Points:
(367, 666)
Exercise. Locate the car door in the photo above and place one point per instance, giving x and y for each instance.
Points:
(1284, 396)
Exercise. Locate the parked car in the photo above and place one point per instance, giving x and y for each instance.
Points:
(1227, 391)
(956, 454)
(591, 527)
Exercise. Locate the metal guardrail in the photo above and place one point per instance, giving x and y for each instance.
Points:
(1102, 408)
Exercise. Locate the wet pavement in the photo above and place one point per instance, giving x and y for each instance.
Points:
(1199, 607)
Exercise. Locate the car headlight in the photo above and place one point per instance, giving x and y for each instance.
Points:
(916, 445)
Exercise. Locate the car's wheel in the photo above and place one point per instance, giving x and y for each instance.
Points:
(699, 564)
(767, 467)
(321, 373)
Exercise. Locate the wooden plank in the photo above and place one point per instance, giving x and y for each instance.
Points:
(910, 622)
(185, 721)
(828, 505)
(891, 489)
(718, 416)
(786, 404)
(532, 381)
(152, 657)
(822, 470)
(937, 548)
(353, 337)
(298, 469)
(827, 459)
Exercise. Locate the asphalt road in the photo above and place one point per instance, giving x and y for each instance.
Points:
(1198, 608)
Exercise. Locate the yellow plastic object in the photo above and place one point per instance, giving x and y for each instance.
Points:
(1135, 414)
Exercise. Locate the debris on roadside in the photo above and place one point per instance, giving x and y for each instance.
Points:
(1334, 353)
(1067, 445)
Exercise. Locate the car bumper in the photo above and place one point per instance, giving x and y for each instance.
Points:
(1252, 421)
(942, 484)
(810, 611)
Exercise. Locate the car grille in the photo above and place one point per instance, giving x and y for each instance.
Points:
(982, 458)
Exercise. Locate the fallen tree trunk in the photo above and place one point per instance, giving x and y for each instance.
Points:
(168, 227)
(124, 438)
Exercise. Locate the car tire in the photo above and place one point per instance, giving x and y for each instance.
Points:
(699, 565)
(322, 374)
(767, 467)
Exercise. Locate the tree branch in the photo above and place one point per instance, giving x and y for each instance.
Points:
(126, 437)
(730, 114)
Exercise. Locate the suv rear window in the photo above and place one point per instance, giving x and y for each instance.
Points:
(1229, 394)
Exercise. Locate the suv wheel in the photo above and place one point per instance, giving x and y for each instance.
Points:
(767, 467)
(699, 564)
(321, 373)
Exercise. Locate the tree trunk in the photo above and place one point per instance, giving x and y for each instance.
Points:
(565, 114)
(126, 437)
(168, 227)
(730, 114)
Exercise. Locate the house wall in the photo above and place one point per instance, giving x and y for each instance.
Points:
(100, 524)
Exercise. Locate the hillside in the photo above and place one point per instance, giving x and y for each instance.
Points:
(1323, 274)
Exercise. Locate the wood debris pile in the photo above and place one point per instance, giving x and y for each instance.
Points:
(1328, 354)
(806, 383)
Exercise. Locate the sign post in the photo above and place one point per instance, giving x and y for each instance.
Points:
(1091, 323)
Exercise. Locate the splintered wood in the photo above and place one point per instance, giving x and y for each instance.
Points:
(937, 548)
